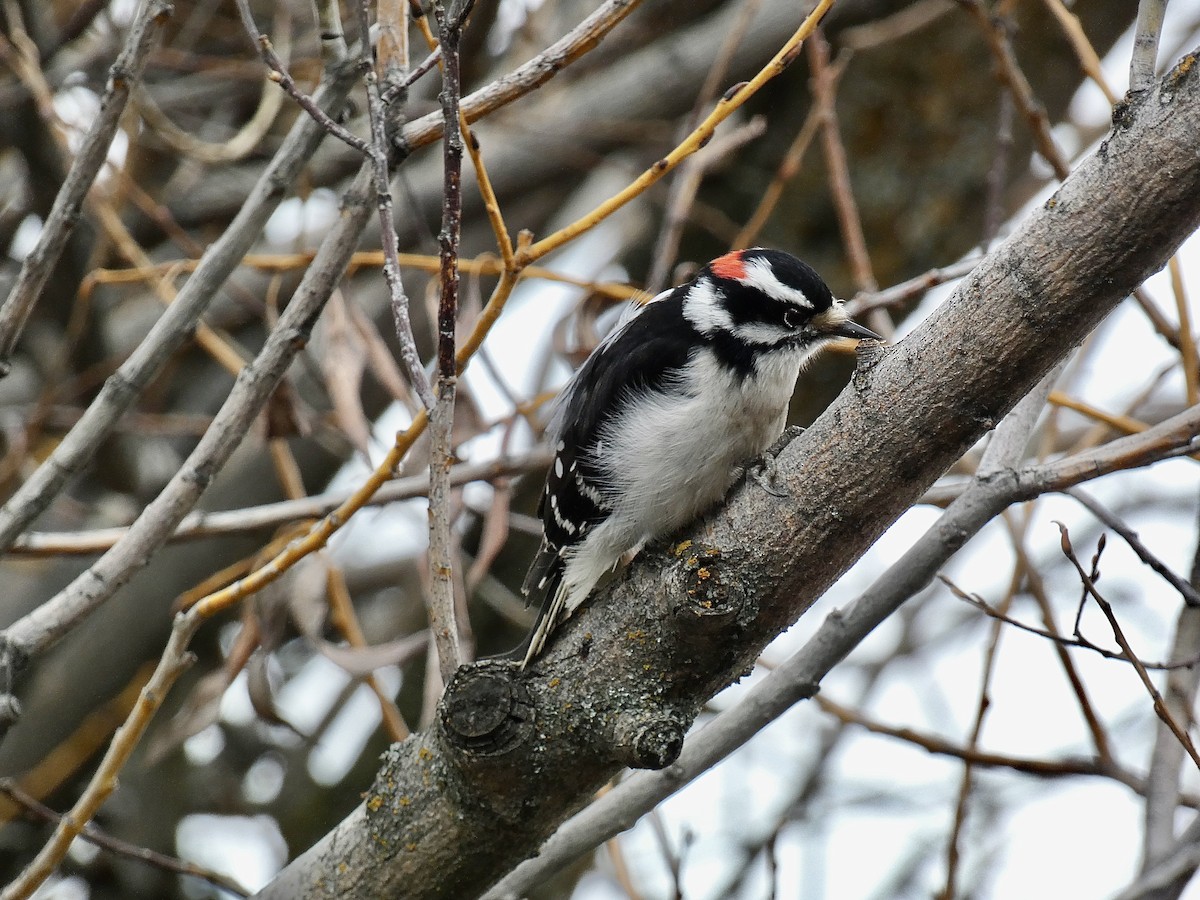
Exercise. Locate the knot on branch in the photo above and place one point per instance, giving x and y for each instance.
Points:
(649, 740)
(486, 710)
(706, 605)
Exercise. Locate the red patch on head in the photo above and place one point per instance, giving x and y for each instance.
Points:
(730, 266)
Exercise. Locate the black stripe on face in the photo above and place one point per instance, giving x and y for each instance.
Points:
(747, 304)
(795, 274)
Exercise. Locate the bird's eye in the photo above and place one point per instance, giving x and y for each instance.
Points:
(793, 319)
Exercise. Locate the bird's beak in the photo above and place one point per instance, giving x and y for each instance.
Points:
(850, 329)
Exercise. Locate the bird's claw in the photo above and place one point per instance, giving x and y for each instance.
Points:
(763, 470)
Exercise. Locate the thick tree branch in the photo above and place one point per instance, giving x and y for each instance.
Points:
(622, 681)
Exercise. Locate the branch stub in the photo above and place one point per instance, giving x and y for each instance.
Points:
(486, 710)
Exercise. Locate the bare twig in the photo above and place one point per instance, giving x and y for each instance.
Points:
(78, 447)
(175, 660)
(1060, 639)
(849, 220)
(1037, 588)
(1187, 341)
(44, 626)
(967, 779)
(1160, 708)
(682, 193)
(124, 75)
(527, 77)
(995, 30)
(1143, 62)
(1042, 768)
(95, 836)
(1105, 515)
(788, 168)
(379, 155)
(345, 619)
(443, 620)
(256, 518)
(733, 99)
(1089, 60)
(913, 287)
(280, 75)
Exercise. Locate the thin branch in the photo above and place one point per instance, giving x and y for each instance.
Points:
(1105, 515)
(124, 75)
(379, 155)
(864, 302)
(177, 323)
(1187, 340)
(789, 168)
(484, 264)
(201, 524)
(443, 619)
(174, 662)
(1037, 588)
(1053, 635)
(1160, 708)
(995, 30)
(46, 625)
(1042, 768)
(527, 77)
(98, 838)
(733, 100)
(280, 75)
(1144, 61)
(1089, 60)
(840, 188)
(345, 619)
(682, 193)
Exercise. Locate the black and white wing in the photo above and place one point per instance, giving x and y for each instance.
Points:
(641, 355)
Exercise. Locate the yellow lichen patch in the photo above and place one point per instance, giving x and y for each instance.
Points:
(681, 548)
(424, 754)
(374, 803)
(1185, 66)
(554, 682)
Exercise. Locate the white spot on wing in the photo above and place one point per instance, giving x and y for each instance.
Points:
(558, 466)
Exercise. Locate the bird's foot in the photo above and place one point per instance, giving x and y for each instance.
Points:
(763, 471)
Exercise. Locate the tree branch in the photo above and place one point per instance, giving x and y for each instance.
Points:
(126, 72)
(523, 750)
(175, 325)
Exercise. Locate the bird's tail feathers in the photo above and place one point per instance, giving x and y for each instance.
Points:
(552, 612)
